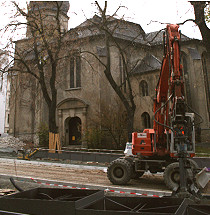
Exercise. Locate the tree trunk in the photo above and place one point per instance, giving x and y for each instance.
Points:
(130, 122)
(51, 102)
(52, 114)
(52, 120)
(201, 23)
(130, 108)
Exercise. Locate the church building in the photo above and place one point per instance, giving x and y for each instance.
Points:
(84, 95)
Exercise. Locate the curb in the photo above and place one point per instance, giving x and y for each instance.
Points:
(64, 165)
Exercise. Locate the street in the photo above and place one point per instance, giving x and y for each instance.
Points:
(78, 174)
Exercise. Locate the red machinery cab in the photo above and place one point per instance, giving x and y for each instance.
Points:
(142, 143)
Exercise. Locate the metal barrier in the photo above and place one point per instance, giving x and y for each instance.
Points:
(100, 157)
(49, 201)
(135, 205)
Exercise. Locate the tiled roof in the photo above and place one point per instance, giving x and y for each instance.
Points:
(156, 38)
(122, 30)
(149, 63)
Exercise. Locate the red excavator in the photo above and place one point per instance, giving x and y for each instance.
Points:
(170, 145)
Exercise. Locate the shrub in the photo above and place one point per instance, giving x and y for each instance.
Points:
(93, 137)
(43, 133)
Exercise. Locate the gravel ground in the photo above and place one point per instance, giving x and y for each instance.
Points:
(75, 174)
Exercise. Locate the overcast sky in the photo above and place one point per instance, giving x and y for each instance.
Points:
(141, 12)
(137, 11)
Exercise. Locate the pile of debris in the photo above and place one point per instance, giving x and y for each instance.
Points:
(11, 142)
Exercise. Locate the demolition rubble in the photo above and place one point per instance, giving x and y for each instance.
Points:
(11, 143)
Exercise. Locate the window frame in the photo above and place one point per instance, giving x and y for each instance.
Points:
(143, 88)
(75, 72)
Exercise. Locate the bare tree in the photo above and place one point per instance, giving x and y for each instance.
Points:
(122, 89)
(111, 124)
(3, 62)
(202, 11)
(38, 55)
(200, 20)
(113, 121)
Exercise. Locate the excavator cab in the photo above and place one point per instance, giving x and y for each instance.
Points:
(183, 136)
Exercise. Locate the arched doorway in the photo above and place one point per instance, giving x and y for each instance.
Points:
(71, 112)
(73, 130)
(145, 117)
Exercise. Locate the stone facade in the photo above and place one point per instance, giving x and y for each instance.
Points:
(83, 89)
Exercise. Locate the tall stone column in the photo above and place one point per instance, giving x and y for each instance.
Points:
(61, 129)
(84, 125)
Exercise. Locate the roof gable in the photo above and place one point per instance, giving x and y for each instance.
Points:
(148, 64)
(125, 30)
(121, 29)
(156, 38)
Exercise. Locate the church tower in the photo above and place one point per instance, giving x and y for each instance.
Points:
(45, 13)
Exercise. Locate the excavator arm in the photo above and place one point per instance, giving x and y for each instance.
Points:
(169, 104)
(168, 146)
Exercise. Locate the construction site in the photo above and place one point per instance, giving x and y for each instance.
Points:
(105, 118)
(76, 182)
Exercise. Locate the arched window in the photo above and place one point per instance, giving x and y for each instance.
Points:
(75, 72)
(122, 74)
(145, 118)
(206, 81)
(186, 78)
(143, 88)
